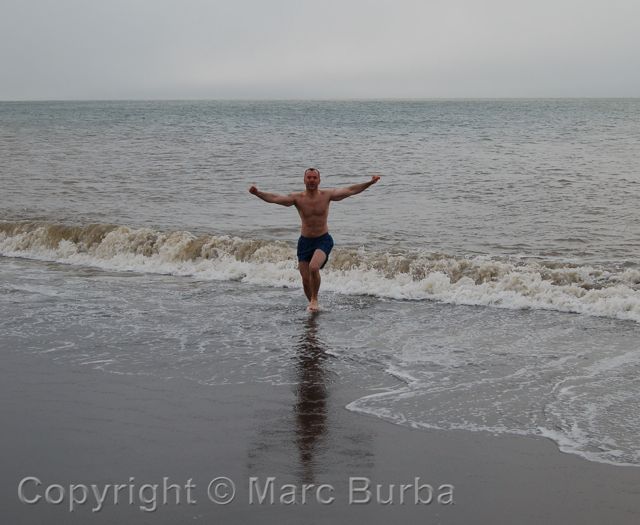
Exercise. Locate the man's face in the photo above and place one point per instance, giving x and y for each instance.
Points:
(311, 179)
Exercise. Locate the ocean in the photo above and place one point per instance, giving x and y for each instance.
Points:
(490, 282)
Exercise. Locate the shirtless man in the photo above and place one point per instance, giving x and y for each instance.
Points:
(315, 243)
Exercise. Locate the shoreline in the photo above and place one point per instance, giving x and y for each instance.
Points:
(74, 425)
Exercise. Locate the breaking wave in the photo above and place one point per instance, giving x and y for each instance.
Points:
(480, 280)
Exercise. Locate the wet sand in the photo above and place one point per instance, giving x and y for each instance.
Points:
(66, 424)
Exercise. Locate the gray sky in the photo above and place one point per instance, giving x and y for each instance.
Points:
(149, 49)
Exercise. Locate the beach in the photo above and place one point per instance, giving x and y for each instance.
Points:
(73, 425)
(475, 358)
(89, 402)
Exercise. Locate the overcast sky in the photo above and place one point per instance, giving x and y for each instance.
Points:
(150, 49)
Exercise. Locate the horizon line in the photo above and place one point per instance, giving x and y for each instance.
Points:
(316, 99)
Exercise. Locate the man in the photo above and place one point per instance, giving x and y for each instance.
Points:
(315, 243)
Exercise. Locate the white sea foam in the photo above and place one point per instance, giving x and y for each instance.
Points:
(479, 280)
(583, 433)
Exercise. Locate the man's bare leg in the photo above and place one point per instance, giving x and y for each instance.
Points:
(314, 277)
(303, 266)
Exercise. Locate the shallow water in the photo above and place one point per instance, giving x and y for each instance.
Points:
(569, 377)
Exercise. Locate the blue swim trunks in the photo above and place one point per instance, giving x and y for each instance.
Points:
(308, 245)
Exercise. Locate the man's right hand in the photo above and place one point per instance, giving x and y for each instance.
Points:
(253, 190)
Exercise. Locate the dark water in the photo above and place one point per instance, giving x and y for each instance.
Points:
(556, 178)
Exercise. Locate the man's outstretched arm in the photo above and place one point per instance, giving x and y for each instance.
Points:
(274, 198)
(342, 193)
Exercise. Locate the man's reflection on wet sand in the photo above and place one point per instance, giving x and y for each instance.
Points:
(310, 409)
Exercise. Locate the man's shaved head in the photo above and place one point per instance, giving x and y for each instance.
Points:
(311, 179)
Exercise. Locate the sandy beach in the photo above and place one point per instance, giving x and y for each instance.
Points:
(72, 425)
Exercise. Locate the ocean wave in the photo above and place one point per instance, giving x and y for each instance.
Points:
(470, 280)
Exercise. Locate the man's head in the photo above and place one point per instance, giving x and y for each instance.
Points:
(311, 178)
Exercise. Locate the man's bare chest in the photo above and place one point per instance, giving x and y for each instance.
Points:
(313, 207)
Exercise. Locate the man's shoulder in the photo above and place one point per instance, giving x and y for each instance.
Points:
(296, 196)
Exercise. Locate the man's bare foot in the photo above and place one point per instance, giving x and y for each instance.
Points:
(313, 306)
